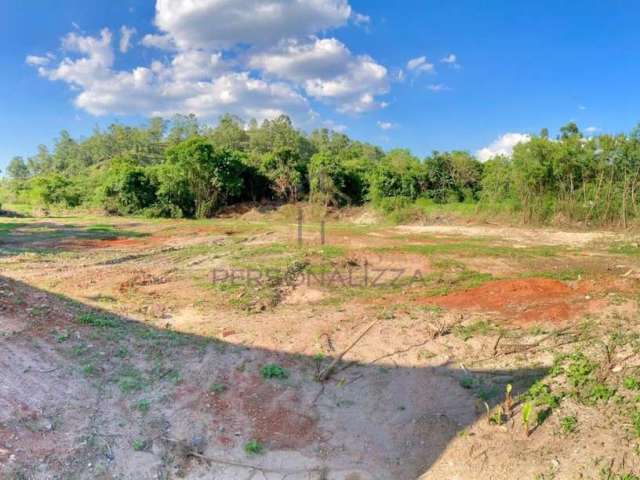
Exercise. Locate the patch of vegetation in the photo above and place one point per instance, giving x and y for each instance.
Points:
(130, 380)
(631, 383)
(273, 370)
(253, 447)
(143, 405)
(540, 394)
(480, 327)
(139, 445)
(97, 320)
(218, 388)
(568, 424)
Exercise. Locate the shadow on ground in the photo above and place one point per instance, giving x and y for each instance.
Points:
(88, 394)
(43, 237)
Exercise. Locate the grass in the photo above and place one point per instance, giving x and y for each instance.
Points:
(475, 248)
(143, 405)
(273, 370)
(96, 320)
(130, 380)
(569, 424)
(481, 327)
(218, 388)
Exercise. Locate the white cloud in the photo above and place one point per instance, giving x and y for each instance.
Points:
(327, 71)
(163, 42)
(451, 60)
(592, 130)
(193, 82)
(437, 87)
(502, 145)
(217, 24)
(582, 107)
(125, 37)
(37, 60)
(335, 126)
(420, 64)
(386, 125)
(248, 57)
(360, 19)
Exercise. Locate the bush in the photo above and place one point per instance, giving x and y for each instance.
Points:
(327, 180)
(127, 188)
(198, 178)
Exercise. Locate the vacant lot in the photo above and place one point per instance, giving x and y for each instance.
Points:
(142, 349)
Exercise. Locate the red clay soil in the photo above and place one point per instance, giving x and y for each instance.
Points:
(526, 300)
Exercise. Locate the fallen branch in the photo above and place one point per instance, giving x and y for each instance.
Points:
(324, 374)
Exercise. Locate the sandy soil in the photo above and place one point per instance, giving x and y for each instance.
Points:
(163, 378)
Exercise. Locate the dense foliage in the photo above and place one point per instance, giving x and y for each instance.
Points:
(183, 168)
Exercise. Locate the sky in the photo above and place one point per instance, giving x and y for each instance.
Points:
(425, 75)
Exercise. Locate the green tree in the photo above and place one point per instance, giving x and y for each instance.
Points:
(212, 175)
(327, 180)
(128, 188)
(17, 169)
(284, 169)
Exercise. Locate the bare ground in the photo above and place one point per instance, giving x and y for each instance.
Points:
(120, 358)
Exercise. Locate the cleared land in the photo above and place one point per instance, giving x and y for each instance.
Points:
(137, 349)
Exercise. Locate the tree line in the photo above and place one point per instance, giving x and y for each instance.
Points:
(184, 168)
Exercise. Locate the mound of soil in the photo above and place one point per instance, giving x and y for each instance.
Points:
(525, 300)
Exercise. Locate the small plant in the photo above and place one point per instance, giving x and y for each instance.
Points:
(497, 417)
(508, 399)
(89, 369)
(540, 394)
(600, 393)
(253, 447)
(139, 445)
(542, 415)
(96, 320)
(635, 420)
(467, 382)
(527, 409)
(273, 370)
(631, 383)
(143, 406)
(130, 380)
(218, 388)
(568, 424)
(63, 336)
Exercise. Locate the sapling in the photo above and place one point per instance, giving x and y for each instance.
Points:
(527, 408)
(508, 400)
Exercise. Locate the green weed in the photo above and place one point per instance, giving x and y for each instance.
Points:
(253, 447)
(568, 424)
(273, 370)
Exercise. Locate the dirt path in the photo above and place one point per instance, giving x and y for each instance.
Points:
(528, 236)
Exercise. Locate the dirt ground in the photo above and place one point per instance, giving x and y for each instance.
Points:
(161, 349)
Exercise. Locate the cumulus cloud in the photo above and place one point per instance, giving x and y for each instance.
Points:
(503, 145)
(328, 72)
(163, 42)
(125, 37)
(218, 24)
(249, 57)
(386, 125)
(194, 82)
(419, 65)
(591, 130)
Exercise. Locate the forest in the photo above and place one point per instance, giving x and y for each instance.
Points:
(185, 168)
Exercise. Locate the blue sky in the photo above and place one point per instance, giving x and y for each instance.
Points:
(519, 66)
